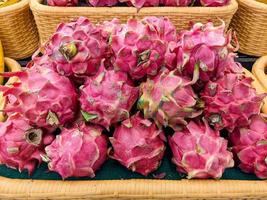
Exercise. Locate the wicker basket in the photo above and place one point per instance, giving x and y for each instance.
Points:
(250, 23)
(47, 17)
(18, 31)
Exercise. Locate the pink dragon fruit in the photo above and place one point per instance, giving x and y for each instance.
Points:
(169, 99)
(214, 3)
(250, 145)
(140, 46)
(77, 48)
(176, 2)
(200, 152)
(107, 97)
(97, 3)
(77, 152)
(230, 101)
(21, 145)
(138, 145)
(43, 97)
(62, 2)
(206, 46)
(141, 3)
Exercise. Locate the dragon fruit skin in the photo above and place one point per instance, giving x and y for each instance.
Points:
(230, 101)
(138, 145)
(97, 3)
(169, 99)
(250, 145)
(176, 2)
(43, 97)
(77, 48)
(140, 46)
(214, 3)
(207, 46)
(200, 152)
(77, 151)
(63, 3)
(21, 145)
(107, 97)
(141, 3)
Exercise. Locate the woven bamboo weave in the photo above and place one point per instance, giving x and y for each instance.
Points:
(132, 189)
(18, 31)
(250, 23)
(47, 17)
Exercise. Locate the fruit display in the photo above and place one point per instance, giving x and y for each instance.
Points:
(139, 3)
(129, 91)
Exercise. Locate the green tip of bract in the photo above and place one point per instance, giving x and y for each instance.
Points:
(88, 116)
(68, 50)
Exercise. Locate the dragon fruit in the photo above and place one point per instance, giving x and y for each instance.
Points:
(200, 152)
(43, 97)
(250, 145)
(169, 99)
(141, 3)
(96, 3)
(107, 97)
(139, 47)
(21, 145)
(176, 2)
(214, 3)
(77, 48)
(230, 101)
(138, 145)
(207, 47)
(78, 151)
(62, 2)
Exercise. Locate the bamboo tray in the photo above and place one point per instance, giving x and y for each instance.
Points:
(47, 17)
(250, 23)
(18, 31)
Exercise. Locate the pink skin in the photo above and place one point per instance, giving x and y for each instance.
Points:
(96, 3)
(108, 96)
(89, 154)
(62, 2)
(200, 152)
(139, 47)
(168, 99)
(250, 145)
(230, 101)
(43, 97)
(141, 3)
(85, 47)
(138, 145)
(214, 3)
(181, 3)
(21, 145)
(207, 47)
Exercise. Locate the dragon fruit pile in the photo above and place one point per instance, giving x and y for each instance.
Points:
(139, 3)
(136, 82)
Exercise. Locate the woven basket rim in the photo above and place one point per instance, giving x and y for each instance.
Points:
(132, 188)
(260, 6)
(37, 5)
(17, 6)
